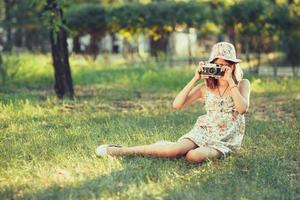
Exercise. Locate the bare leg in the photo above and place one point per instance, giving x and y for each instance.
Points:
(171, 150)
(200, 154)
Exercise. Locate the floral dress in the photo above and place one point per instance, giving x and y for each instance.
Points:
(221, 128)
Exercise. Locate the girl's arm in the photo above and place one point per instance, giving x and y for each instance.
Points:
(241, 95)
(188, 95)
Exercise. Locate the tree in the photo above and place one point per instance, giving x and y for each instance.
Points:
(160, 22)
(22, 26)
(129, 21)
(285, 20)
(87, 19)
(53, 15)
(248, 19)
(2, 17)
(192, 15)
(8, 21)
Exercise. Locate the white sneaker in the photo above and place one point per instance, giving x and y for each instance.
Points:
(101, 150)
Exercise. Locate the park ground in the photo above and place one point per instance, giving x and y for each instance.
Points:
(47, 145)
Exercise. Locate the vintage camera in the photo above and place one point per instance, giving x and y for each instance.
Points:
(212, 70)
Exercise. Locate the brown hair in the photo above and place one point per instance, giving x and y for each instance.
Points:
(213, 83)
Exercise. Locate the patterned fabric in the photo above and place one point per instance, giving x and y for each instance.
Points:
(225, 51)
(221, 128)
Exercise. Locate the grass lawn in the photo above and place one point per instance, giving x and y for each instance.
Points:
(47, 146)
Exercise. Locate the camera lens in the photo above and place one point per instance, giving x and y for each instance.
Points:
(212, 70)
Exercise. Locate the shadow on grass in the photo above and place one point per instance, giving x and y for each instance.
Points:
(135, 171)
(260, 176)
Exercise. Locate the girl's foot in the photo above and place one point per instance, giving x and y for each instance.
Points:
(101, 150)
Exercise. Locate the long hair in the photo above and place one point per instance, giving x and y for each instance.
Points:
(237, 75)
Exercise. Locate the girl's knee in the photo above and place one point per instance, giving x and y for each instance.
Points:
(194, 156)
(173, 151)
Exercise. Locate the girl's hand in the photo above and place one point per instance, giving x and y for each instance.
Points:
(228, 73)
(199, 70)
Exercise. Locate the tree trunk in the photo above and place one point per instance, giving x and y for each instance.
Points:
(94, 47)
(275, 70)
(160, 45)
(28, 40)
(125, 48)
(171, 48)
(137, 49)
(60, 55)
(258, 49)
(258, 58)
(189, 48)
(247, 50)
(232, 35)
(2, 71)
(18, 38)
(8, 23)
(295, 70)
(76, 45)
(115, 46)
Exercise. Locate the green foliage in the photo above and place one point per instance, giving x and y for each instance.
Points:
(248, 17)
(52, 14)
(285, 20)
(192, 14)
(135, 17)
(259, 26)
(32, 70)
(130, 17)
(247, 23)
(267, 24)
(2, 11)
(86, 18)
(9, 67)
(161, 14)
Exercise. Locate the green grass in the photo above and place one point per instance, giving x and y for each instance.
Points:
(47, 146)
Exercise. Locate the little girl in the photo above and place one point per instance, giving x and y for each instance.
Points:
(218, 132)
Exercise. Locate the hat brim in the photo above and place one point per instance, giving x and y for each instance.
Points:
(236, 60)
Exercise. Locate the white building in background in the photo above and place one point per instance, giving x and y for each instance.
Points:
(182, 42)
(178, 40)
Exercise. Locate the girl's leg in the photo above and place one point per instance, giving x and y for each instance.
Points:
(200, 154)
(171, 150)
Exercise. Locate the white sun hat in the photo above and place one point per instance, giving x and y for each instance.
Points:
(223, 50)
